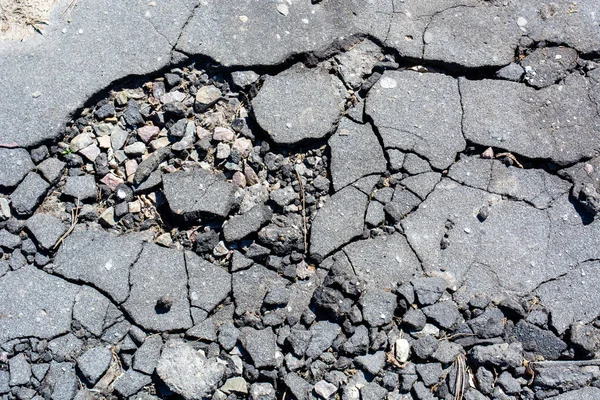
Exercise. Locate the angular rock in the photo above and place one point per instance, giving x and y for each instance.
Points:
(208, 283)
(378, 306)
(299, 104)
(81, 188)
(45, 303)
(100, 259)
(14, 164)
(323, 333)
(193, 193)
(498, 355)
(588, 393)
(29, 194)
(355, 153)
(188, 372)
(90, 309)
(298, 386)
(372, 363)
(146, 357)
(158, 300)
(538, 341)
(46, 229)
(94, 363)
(420, 113)
(339, 221)
(149, 164)
(251, 286)
(20, 370)
(444, 314)
(261, 346)
(240, 226)
(131, 382)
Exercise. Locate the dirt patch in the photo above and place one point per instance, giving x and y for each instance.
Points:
(22, 18)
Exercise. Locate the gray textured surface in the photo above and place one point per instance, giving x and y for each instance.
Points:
(299, 104)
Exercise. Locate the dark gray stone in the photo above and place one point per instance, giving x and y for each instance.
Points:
(414, 319)
(94, 363)
(512, 72)
(196, 192)
(420, 113)
(228, 335)
(208, 283)
(509, 384)
(402, 204)
(372, 363)
(339, 221)
(261, 345)
(538, 341)
(358, 343)
(149, 165)
(46, 229)
(131, 382)
(240, 226)
(586, 338)
(298, 386)
(425, 346)
(51, 169)
(498, 355)
(146, 357)
(157, 274)
(565, 376)
(489, 324)
(444, 314)
(429, 373)
(43, 301)
(447, 352)
(100, 259)
(62, 380)
(29, 194)
(81, 187)
(90, 309)
(355, 153)
(585, 177)
(378, 306)
(65, 347)
(372, 391)
(262, 391)
(204, 330)
(323, 333)
(299, 104)
(8, 240)
(20, 370)
(428, 290)
(251, 286)
(396, 262)
(14, 164)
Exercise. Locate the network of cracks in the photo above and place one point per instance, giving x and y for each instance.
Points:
(355, 226)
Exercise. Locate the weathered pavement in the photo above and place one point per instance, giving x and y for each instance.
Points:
(240, 199)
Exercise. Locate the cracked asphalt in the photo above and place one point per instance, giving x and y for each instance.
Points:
(383, 199)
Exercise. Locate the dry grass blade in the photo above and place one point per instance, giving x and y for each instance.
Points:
(461, 383)
(304, 229)
(74, 220)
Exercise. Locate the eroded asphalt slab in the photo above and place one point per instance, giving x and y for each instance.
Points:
(327, 199)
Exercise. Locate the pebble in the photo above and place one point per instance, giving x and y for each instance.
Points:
(136, 149)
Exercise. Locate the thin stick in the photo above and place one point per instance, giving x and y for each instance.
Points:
(74, 219)
(304, 230)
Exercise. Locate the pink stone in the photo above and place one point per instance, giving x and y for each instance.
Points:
(239, 179)
(223, 134)
(488, 153)
(111, 180)
(130, 167)
(90, 152)
(243, 145)
(147, 132)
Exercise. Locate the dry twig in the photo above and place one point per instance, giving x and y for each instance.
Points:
(74, 220)
(304, 229)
